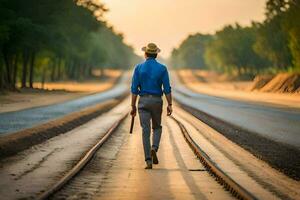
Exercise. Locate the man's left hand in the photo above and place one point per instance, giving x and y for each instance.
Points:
(169, 110)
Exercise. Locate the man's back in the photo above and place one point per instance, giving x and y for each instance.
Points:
(149, 77)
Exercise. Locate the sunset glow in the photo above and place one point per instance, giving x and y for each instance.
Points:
(168, 22)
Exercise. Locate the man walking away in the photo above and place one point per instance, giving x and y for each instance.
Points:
(148, 80)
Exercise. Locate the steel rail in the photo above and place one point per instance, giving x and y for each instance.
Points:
(221, 177)
(81, 163)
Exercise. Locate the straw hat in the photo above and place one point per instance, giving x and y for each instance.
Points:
(151, 48)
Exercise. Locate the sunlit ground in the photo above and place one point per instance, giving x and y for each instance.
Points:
(96, 85)
(56, 92)
(220, 85)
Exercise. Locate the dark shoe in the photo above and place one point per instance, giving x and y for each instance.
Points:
(154, 156)
(148, 166)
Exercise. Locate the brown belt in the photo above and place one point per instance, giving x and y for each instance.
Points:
(150, 95)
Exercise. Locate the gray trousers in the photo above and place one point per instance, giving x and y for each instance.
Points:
(150, 110)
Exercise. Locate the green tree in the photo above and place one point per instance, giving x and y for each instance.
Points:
(291, 24)
(273, 45)
(65, 36)
(190, 52)
(232, 51)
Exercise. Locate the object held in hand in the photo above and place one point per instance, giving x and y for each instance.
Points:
(131, 125)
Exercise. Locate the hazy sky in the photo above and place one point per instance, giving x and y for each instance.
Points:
(168, 22)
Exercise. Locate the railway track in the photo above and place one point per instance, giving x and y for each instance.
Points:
(82, 162)
(99, 172)
(220, 176)
(212, 168)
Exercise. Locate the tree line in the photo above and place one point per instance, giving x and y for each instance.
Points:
(55, 39)
(270, 46)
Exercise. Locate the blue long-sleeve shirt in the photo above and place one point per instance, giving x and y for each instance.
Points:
(150, 77)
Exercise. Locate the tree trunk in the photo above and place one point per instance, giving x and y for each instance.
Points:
(73, 69)
(31, 71)
(67, 68)
(239, 70)
(101, 72)
(24, 70)
(58, 74)
(90, 71)
(76, 70)
(15, 70)
(83, 71)
(53, 71)
(80, 71)
(1, 76)
(7, 63)
(43, 78)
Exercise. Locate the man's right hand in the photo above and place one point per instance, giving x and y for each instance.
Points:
(169, 110)
(133, 111)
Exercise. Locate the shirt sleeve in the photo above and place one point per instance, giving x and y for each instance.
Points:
(135, 82)
(166, 82)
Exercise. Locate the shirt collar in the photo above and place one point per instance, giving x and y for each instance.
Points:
(150, 58)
